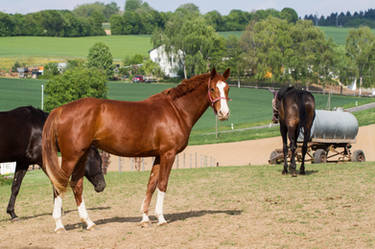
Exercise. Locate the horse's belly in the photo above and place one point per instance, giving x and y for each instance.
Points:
(129, 147)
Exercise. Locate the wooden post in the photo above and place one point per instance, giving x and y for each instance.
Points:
(216, 127)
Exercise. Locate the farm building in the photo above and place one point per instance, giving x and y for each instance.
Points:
(170, 67)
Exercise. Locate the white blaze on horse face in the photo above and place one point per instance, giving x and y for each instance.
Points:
(224, 109)
(57, 214)
(159, 207)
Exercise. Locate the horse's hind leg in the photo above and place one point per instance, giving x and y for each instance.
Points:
(306, 137)
(151, 186)
(76, 184)
(293, 134)
(70, 166)
(21, 169)
(56, 214)
(283, 131)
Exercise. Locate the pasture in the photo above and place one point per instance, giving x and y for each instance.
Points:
(250, 107)
(40, 50)
(226, 207)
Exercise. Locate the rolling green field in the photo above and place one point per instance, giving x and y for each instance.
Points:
(57, 47)
(338, 35)
(250, 107)
(25, 47)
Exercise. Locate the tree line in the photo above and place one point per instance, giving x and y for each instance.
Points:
(138, 17)
(270, 50)
(84, 20)
(361, 18)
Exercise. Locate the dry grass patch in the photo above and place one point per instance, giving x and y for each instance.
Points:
(232, 207)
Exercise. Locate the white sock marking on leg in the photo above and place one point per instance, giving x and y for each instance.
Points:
(159, 207)
(57, 213)
(84, 215)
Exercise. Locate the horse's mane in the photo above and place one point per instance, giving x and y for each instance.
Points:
(186, 86)
(283, 91)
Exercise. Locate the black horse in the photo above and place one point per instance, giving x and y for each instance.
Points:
(295, 111)
(21, 141)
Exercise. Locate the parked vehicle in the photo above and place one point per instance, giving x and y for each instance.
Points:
(332, 136)
(138, 78)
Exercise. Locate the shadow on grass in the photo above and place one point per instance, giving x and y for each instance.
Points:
(169, 217)
(307, 172)
(50, 214)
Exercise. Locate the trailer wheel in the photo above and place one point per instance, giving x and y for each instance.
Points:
(273, 157)
(320, 156)
(358, 156)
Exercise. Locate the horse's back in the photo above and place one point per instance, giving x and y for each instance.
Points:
(119, 127)
(18, 128)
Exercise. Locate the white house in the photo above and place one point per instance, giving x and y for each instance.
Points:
(170, 67)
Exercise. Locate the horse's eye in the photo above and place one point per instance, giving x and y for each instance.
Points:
(212, 89)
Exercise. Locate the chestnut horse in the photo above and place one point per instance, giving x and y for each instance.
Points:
(159, 126)
(295, 111)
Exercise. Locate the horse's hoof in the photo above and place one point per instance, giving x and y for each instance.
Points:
(92, 227)
(145, 224)
(162, 224)
(294, 174)
(14, 219)
(60, 230)
(302, 173)
(284, 172)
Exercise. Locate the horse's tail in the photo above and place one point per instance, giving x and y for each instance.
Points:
(302, 113)
(49, 151)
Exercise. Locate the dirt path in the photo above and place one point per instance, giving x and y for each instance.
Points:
(252, 152)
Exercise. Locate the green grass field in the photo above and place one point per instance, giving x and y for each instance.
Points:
(57, 47)
(250, 107)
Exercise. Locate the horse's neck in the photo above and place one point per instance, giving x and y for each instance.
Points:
(191, 106)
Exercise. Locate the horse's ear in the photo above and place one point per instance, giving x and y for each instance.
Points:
(272, 91)
(226, 74)
(213, 73)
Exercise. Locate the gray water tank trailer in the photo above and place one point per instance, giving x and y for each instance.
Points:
(333, 126)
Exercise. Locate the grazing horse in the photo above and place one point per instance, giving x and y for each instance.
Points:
(295, 110)
(21, 141)
(159, 126)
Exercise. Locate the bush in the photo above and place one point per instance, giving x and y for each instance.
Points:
(74, 84)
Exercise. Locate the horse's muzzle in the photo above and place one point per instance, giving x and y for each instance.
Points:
(100, 186)
(221, 116)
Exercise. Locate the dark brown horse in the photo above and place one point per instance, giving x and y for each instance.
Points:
(21, 141)
(295, 111)
(159, 126)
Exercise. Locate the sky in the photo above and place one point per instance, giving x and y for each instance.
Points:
(303, 7)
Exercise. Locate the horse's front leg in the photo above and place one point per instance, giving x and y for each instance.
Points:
(151, 186)
(77, 187)
(21, 170)
(166, 163)
(283, 132)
